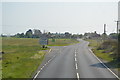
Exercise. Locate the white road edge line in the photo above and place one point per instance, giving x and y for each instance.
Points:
(49, 51)
(78, 76)
(42, 67)
(45, 64)
(36, 75)
(104, 65)
(49, 60)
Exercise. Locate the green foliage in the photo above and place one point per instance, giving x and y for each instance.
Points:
(109, 46)
(113, 36)
(29, 34)
(18, 35)
(36, 33)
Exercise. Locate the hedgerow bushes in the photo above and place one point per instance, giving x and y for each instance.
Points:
(109, 46)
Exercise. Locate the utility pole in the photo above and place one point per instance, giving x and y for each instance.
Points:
(104, 34)
(118, 55)
(104, 28)
(117, 27)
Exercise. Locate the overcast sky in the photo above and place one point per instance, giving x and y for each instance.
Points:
(74, 17)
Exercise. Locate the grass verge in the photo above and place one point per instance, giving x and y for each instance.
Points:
(21, 57)
(102, 54)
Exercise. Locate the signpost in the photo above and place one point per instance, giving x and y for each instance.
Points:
(43, 40)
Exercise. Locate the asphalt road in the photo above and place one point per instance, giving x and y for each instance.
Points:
(74, 61)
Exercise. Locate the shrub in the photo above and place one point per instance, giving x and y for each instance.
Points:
(108, 45)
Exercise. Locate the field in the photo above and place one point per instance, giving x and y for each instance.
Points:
(22, 56)
(62, 42)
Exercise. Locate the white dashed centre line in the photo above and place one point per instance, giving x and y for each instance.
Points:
(75, 59)
(78, 76)
(43, 67)
(76, 66)
(75, 54)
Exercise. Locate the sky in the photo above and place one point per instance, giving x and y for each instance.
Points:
(73, 17)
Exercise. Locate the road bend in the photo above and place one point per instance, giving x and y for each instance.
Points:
(74, 61)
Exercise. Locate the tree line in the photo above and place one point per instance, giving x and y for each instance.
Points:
(36, 33)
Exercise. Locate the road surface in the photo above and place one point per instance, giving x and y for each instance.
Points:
(73, 62)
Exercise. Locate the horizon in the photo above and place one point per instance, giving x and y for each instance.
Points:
(55, 32)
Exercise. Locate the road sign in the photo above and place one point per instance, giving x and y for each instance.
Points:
(43, 40)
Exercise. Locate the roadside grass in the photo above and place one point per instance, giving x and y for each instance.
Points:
(93, 43)
(99, 53)
(102, 55)
(21, 57)
(62, 42)
(105, 56)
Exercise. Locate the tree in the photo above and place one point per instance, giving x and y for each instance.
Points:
(104, 36)
(74, 36)
(37, 33)
(49, 35)
(2, 35)
(113, 36)
(29, 34)
(22, 35)
(18, 35)
(80, 36)
(67, 35)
